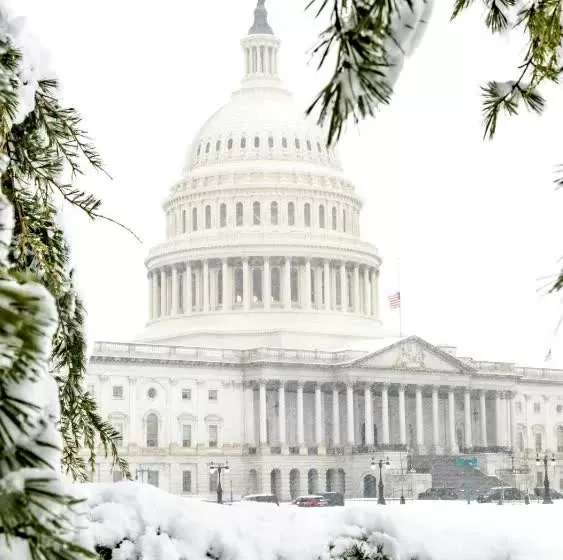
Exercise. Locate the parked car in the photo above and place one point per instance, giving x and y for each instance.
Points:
(333, 498)
(439, 494)
(311, 501)
(553, 494)
(495, 494)
(262, 498)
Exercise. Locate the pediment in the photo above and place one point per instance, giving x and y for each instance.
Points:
(412, 354)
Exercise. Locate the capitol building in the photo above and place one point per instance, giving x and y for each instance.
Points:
(264, 345)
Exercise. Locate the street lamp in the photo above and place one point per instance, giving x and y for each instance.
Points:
(219, 468)
(546, 494)
(402, 499)
(141, 471)
(373, 466)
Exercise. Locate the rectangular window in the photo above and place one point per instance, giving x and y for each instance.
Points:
(117, 476)
(213, 435)
(187, 481)
(213, 395)
(538, 440)
(213, 481)
(537, 407)
(186, 394)
(117, 391)
(118, 427)
(152, 477)
(187, 435)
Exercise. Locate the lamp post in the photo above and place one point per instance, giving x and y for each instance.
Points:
(402, 499)
(219, 468)
(373, 466)
(141, 471)
(546, 494)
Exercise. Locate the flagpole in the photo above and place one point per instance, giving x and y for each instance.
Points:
(400, 297)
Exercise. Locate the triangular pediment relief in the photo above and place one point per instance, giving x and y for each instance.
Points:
(412, 354)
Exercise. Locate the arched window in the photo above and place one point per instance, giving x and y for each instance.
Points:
(223, 215)
(284, 142)
(321, 216)
(276, 284)
(194, 219)
(230, 144)
(217, 145)
(344, 221)
(256, 141)
(184, 221)
(239, 214)
(290, 214)
(208, 217)
(243, 142)
(257, 285)
(307, 214)
(152, 430)
(207, 148)
(333, 217)
(270, 142)
(238, 285)
(256, 214)
(297, 143)
(309, 145)
(274, 213)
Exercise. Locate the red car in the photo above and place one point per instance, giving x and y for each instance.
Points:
(310, 501)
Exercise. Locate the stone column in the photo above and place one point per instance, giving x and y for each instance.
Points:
(467, 417)
(335, 417)
(419, 419)
(287, 283)
(376, 295)
(226, 285)
(350, 414)
(163, 304)
(151, 304)
(319, 419)
(451, 418)
(205, 283)
(513, 428)
(245, 285)
(385, 413)
(326, 280)
(356, 289)
(249, 415)
(281, 419)
(188, 289)
(367, 293)
(483, 418)
(343, 288)
(300, 420)
(267, 283)
(368, 416)
(307, 295)
(155, 295)
(175, 306)
(435, 424)
(498, 419)
(263, 417)
(402, 416)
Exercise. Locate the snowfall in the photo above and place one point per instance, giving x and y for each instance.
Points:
(132, 521)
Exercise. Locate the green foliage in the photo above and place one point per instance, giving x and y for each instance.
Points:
(361, 550)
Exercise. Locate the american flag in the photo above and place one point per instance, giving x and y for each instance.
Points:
(395, 300)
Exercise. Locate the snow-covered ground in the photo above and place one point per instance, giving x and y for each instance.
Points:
(151, 524)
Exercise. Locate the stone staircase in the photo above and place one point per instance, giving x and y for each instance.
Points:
(445, 474)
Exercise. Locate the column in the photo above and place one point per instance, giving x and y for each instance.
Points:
(343, 288)
(419, 419)
(226, 285)
(498, 419)
(245, 285)
(402, 416)
(175, 302)
(155, 295)
(451, 418)
(263, 424)
(376, 295)
(318, 287)
(367, 292)
(281, 418)
(151, 304)
(205, 282)
(132, 439)
(188, 289)
(373, 291)
(163, 306)
(467, 417)
(435, 424)
(249, 415)
(385, 413)
(307, 295)
(267, 283)
(368, 416)
(287, 283)
(300, 421)
(350, 414)
(513, 437)
(356, 289)
(319, 421)
(335, 418)
(483, 417)
(326, 280)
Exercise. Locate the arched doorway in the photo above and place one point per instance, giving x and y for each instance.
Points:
(312, 481)
(370, 486)
(294, 483)
(275, 483)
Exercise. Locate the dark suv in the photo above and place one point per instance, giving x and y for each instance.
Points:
(333, 498)
(439, 494)
(495, 494)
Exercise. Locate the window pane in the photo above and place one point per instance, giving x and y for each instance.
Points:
(213, 435)
(321, 216)
(117, 391)
(223, 215)
(291, 214)
(186, 394)
(218, 145)
(256, 213)
(213, 394)
(187, 435)
(333, 217)
(194, 219)
(307, 215)
(284, 142)
(243, 142)
(230, 144)
(256, 142)
(239, 214)
(207, 217)
(274, 213)
(186, 481)
(270, 142)
(152, 430)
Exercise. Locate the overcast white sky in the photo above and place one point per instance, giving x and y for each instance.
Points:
(475, 224)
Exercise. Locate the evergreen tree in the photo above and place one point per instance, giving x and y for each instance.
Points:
(41, 143)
